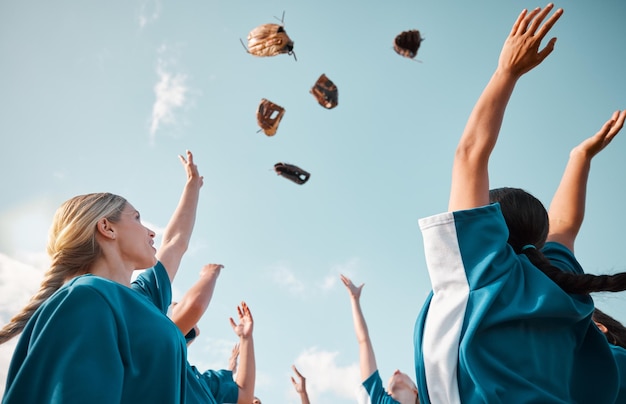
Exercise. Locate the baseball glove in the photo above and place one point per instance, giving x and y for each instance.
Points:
(268, 116)
(269, 40)
(291, 172)
(325, 92)
(407, 43)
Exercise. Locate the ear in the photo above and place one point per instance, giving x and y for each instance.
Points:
(602, 327)
(105, 229)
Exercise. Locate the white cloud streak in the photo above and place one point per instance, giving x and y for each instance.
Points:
(286, 277)
(170, 91)
(149, 12)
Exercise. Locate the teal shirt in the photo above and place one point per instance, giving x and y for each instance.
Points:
(96, 341)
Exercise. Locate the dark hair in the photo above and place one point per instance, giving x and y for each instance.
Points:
(527, 221)
(616, 332)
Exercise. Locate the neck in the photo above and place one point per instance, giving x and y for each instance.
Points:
(112, 271)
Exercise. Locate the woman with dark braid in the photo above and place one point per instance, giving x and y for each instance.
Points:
(509, 319)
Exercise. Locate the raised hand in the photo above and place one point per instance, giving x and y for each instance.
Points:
(595, 144)
(520, 52)
(191, 168)
(355, 291)
(300, 384)
(244, 328)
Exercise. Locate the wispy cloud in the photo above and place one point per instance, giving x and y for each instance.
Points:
(149, 12)
(286, 277)
(324, 376)
(171, 92)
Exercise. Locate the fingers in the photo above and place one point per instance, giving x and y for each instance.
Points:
(550, 23)
(530, 22)
(297, 372)
(518, 22)
(188, 160)
(613, 126)
(244, 311)
(536, 17)
(619, 118)
(547, 50)
(526, 23)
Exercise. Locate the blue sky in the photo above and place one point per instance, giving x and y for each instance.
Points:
(103, 96)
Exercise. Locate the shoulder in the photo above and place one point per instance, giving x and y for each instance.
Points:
(373, 391)
(562, 257)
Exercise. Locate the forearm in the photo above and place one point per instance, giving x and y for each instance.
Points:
(180, 227)
(246, 372)
(567, 209)
(191, 307)
(470, 178)
(367, 359)
(304, 397)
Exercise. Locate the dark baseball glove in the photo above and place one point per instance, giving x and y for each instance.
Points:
(325, 92)
(268, 116)
(407, 43)
(291, 172)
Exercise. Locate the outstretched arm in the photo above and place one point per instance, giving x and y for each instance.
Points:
(300, 386)
(366, 351)
(234, 358)
(567, 209)
(190, 308)
(178, 231)
(520, 54)
(246, 375)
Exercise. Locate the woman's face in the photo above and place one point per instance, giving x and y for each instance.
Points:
(135, 241)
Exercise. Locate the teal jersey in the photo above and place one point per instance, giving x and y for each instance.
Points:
(210, 387)
(619, 354)
(97, 341)
(495, 329)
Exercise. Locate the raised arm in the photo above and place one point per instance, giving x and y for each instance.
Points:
(300, 386)
(367, 358)
(190, 308)
(234, 358)
(520, 53)
(567, 209)
(246, 375)
(178, 231)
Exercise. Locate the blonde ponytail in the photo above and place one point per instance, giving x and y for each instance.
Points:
(73, 248)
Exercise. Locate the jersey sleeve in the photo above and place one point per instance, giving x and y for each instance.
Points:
(88, 369)
(371, 391)
(155, 285)
(221, 384)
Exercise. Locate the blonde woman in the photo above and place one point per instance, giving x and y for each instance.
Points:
(89, 334)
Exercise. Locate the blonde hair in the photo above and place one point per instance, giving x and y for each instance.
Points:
(72, 248)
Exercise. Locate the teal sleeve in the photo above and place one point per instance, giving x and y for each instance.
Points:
(89, 368)
(221, 385)
(154, 284)
(372, 391)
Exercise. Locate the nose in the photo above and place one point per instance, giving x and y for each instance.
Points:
(151, 233)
